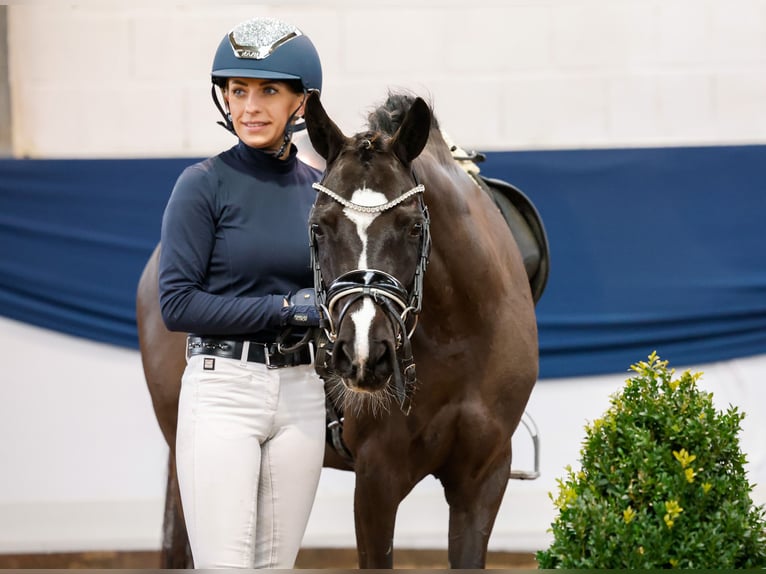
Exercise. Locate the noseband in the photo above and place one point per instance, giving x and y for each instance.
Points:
(386, 291)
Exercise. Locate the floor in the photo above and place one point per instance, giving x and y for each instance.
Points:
(308, 558)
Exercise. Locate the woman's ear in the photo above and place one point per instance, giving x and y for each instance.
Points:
(300, 112)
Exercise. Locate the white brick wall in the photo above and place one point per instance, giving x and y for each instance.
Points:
(119, 79)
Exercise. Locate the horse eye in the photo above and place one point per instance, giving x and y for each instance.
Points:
(316, 230)
(416, 230)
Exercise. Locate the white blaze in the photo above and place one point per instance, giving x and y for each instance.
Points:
(362, 318)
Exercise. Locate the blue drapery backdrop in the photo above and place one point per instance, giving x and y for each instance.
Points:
(651, 249)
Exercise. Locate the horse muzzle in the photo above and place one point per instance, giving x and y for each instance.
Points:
(367, 312)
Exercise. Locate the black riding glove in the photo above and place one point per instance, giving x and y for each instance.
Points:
(300, 316)
(301, 311)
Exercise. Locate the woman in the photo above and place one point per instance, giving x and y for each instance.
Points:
(250, 438)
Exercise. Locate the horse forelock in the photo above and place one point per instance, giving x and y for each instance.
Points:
(367, 158)
(367, 162)
(368, 144)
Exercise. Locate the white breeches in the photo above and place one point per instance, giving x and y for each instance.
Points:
(249, 451)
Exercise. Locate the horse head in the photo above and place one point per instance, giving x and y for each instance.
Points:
(370, 241)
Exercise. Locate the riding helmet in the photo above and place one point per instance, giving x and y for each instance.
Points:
(268, 48)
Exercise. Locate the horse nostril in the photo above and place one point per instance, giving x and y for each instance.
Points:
(343, 361)
(380, 360)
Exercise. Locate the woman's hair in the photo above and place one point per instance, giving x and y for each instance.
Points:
(295, 85)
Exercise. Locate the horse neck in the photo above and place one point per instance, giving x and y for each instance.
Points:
(453, 201)
(439, 147)
(448, 188)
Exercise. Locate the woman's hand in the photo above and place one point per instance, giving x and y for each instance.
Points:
(295, 313)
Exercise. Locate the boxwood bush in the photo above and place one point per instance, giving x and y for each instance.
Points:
(661, 484)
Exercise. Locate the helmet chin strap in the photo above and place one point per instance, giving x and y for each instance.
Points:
(285, 138)
(227, 123)
(289, 129)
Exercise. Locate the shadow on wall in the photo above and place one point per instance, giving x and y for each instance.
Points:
(6, 147)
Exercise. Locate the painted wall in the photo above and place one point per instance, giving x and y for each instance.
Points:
(131, 78)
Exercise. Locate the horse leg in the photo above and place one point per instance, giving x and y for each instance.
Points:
(375, 506)
(473, 507)
(176, 552)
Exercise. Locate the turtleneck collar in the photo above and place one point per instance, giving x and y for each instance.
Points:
(254, 160)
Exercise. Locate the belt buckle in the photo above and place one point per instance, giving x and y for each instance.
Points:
(267, 357)
(191, 346)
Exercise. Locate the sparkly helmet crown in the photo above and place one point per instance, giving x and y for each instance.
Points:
(268, 48)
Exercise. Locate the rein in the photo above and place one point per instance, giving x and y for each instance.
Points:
(385, 290)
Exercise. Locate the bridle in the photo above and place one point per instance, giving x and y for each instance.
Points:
(400, 304)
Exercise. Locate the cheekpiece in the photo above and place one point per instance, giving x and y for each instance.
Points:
(256, 39)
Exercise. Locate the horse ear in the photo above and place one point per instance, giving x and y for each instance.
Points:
(412, 136)
(325, 136)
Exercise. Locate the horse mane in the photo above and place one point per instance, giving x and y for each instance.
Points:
(388, 117)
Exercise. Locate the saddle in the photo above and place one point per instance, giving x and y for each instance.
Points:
(527, 227)
(520, 214)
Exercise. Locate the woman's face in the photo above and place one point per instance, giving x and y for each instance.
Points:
(260, 109)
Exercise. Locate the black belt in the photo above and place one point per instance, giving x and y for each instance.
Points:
(266, 353)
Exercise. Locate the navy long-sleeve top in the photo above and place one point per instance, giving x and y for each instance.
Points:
(234, 243)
